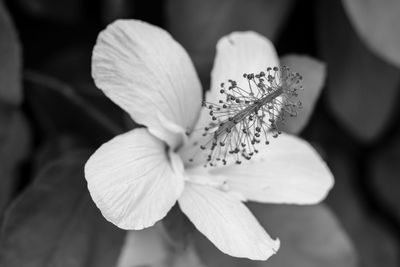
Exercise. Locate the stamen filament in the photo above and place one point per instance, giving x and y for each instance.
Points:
(244, 117)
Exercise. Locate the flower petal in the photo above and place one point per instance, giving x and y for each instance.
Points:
(226, 222)
(239, 53)
(313, 73)
(148, 74)
(288, 171)
(132, 181)
(310, 235)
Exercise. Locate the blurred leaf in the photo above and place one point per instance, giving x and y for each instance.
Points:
(15, 141)
(385, 170)
(73, 67)
(116, 9)
(146, 247)
(198, 25)
(65, 11)
(55, 222)
(10, 58)
(188, 257)
(362, 88)
(310, 237)
(177, 227)
(59, 109)
(151, 247)
(313, 73)
(377, 23)
(53, 148)
(374, 244)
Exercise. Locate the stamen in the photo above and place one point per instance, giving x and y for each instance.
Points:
(246, 116)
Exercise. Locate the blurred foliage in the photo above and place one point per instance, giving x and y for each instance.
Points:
(51, 115)
(210, 20)
(376, 22)
(384, 169)
(10, 54)
(60, 11)
(55, 222)
(52, 103)
(14, 149)
(14, 129)
(364, 228)
(362, 88)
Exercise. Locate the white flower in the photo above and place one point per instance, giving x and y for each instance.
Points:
(138, 176)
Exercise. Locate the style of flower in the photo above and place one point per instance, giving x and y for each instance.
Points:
(138, 176)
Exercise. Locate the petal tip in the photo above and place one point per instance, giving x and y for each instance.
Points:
(269, 249)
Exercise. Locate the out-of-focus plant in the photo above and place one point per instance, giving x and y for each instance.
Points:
(361, 87)
(14, 131)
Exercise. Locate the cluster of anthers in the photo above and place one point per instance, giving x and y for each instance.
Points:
(246, 117)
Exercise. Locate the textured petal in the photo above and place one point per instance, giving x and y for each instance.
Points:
(148, 74)
(133, 181)
(288, 171)
(226, 222)
(238, 53)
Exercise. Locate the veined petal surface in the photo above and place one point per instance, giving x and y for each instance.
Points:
(239, 53)
(288, 170)
(148, 74)
(226, 222)
(133, 181)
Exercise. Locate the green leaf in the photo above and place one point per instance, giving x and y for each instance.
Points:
(55, 222)
(310, 236)
(313, 73)
(362, 88)
(10, 58)
(58, 109)
(15, 144)
(198, 25)
(377, 24)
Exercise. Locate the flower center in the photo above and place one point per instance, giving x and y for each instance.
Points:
(246, 116)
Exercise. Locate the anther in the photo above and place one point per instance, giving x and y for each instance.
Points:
(244, 115)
